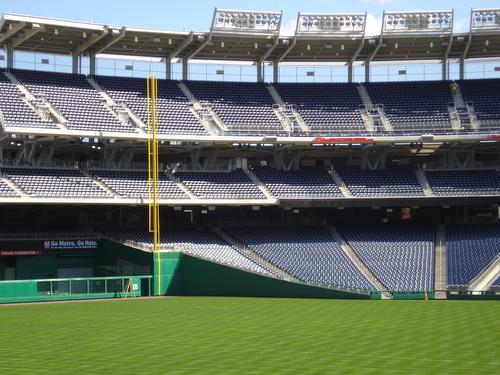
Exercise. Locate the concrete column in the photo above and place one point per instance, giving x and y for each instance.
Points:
(349, 72)
(444, 69)
(260, 71)
(462, 68)
(74, 63)
(367, 72)
(185, 69)
(168, 67)
(10, 56)
(276, 72)
(92, 63)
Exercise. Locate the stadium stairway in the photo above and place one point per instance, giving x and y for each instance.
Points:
(285, 112)
(117, 108)
(340, 183)
(183, 187)
(101, 184)
(241, 248)
(483, 281)
(212, 123)
(36, 104)
(351, 254)
(424, 184)
(262, 187)
(459, 103)
(11, 184)
(440, 265)
(367, 101)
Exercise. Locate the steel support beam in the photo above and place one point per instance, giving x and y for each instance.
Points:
(276, 72)
(116, 38)
(185, 69)
(12, 31)
(168, 68)
(445, 59)
(25, 36)
(92, 63)
(10, 56)
(260, 76)
(174, 53)
(90, 42)
(74, 63)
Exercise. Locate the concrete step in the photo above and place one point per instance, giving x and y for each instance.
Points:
(340, 183)
(424, 183)
(440, 265)
(360, 265)
(242, 249)
(102, 185)
(10, 183)
(140, 126)
(262, 187)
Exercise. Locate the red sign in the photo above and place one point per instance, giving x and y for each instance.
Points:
(494, 136)
(344, 140)
(16, 253)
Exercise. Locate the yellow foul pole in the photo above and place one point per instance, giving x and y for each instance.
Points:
(153, 170)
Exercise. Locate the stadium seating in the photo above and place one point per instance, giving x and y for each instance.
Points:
(414, 107)
(55, 183)
(392, 182)
(310, 254)
(245, 108)
(134, 184)
(6, 191)
(464, 182)
(203, 244)
(470, 248)
(174, 115)
(15, 111)
(328, 108)
(484, 94)
(75, 98)
(220, 185)
(400, 256)
(310, 183)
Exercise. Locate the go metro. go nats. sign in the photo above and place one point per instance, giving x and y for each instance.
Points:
(70, 244)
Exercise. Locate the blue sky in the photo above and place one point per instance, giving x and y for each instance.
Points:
(196, 14)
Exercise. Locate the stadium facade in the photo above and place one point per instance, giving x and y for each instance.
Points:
(353, 189)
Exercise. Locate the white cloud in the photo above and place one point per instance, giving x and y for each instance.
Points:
(288, 28)
(461, 26)
(373, 25)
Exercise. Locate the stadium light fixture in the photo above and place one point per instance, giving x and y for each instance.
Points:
(418, 21)
(330, 24)
(485, 19)
(243, 21)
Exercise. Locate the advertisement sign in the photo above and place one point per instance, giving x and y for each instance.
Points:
(69, 244)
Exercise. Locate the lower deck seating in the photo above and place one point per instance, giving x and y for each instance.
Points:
(220, 185)
(401, 257)
(202, 244)
(311, 183)
(310, 254)
(15, 111)
(134, 184)
(392, 182)
(6, 191)
(55, 183)
(464, 182)
(469, 249)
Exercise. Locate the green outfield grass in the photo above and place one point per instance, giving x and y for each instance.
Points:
(251, 336)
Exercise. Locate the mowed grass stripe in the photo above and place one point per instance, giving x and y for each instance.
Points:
(251, 336)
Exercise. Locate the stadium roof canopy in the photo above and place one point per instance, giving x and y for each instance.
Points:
(254, 36)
